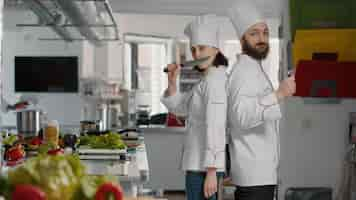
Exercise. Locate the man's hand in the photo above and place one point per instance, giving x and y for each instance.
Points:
(210, 183)
(286, 88)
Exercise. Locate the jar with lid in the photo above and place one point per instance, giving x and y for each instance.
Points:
(51, 133)
(124, 165)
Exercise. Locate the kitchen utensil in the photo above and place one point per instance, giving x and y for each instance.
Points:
(190, 63)
(28, 122)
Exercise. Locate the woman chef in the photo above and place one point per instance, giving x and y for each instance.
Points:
(204, 108)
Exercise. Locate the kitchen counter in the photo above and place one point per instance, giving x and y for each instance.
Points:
(138, 171)
(132, 183)
(164, 148)
(162, 129)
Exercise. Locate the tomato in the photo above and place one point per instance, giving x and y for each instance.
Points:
(15, 153)
(28, 192)
(36, 141)
(55, 151)
(108, 188)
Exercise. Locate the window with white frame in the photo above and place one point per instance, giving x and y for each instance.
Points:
(152, 55)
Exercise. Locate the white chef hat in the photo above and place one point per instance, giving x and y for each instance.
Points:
(204, 30)
(243, 14)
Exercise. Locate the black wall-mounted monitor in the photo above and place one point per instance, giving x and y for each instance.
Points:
(46, 74)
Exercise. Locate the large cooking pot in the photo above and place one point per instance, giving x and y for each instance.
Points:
(108, 115)
(28, 122)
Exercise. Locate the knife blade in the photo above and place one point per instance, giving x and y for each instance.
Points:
(191, 63)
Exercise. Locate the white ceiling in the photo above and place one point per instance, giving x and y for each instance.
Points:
(270, 8)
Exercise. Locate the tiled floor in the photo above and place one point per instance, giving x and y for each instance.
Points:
(181, 196)
(175, 196)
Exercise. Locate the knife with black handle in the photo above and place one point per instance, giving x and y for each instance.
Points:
(190, 63)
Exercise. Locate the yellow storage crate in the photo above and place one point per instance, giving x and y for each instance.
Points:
(340, 41)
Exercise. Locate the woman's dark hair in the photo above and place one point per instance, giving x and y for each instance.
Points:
(220, 59)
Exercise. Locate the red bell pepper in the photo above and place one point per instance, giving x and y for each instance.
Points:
(109, 188)
(28, 192)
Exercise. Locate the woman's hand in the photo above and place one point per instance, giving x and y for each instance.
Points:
(173, 71)
(211, 183)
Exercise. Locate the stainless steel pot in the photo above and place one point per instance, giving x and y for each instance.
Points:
(108, 115)
(28, 122)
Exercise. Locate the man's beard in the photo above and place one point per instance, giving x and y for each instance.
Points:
(254, 52)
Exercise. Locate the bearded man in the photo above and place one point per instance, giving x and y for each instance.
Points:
(253, 109)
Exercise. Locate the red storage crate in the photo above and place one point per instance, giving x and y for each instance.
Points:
(326, 79)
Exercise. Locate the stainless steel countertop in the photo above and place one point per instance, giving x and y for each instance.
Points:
(149, 130)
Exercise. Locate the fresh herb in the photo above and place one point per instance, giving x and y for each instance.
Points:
(105, 141)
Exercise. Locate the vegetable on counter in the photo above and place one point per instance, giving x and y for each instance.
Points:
(59, 177)
(55, 151)
(92, 185)
(47, 148)
(108, 188)
(15, 153)
(28, 192)
(105, 141)
(35, 143)
(10, 140)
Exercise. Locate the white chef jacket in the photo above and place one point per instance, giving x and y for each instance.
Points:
(253, 124)
(205, 110)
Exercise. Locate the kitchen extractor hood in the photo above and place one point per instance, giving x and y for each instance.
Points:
(86, 16)
(76, 15)
(46, 17)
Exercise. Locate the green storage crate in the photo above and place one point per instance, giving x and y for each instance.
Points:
(317, 14)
